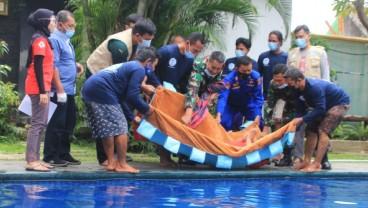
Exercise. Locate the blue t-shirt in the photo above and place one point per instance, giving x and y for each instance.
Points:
(172, 67)
(266, 61)
(230, 66)
(64, 61)
(321, 95)
(119, 82)
(242, 92)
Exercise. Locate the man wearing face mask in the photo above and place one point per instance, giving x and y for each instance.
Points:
(267, 60)
(57, 138)
(203, 83)
(243, 96)
(279, 108)
(312, 61)
(121, 47)
(243, 46)
(176, 62)
(174, 66)
(116, 49)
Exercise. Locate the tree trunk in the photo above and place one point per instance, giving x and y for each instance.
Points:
(142, 7)
(359, 6)
(153, 9)
(87, 14)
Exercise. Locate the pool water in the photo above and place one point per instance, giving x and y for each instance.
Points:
(276, 192)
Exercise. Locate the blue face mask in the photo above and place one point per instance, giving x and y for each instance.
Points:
(301, 42)
(189, 54)
(282, 86)
(144, 43)
(148, 68)
(272, 46)
(239, 53)
(69, 33)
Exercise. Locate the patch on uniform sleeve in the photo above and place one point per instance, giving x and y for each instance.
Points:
(41, 44)
(259, 81)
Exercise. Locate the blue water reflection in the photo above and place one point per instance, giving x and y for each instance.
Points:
(343, 192)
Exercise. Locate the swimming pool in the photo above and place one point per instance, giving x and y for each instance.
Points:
(274, 192)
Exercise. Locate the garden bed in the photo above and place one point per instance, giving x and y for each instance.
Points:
(341, 146)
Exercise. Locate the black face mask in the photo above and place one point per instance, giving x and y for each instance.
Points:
(243, 75)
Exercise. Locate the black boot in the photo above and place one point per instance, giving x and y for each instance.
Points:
(326, 165)
(184, 160)
(286, 160)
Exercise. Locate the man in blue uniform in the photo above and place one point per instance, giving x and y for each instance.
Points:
(176, 62)
(267, 60)
(244, 94)
(243, 46)
(329, 104)
(175, 66)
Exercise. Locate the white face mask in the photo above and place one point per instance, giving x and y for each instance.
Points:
(282, 86)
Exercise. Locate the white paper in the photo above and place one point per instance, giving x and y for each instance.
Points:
(26, 107)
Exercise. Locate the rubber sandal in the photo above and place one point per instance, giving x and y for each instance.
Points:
(33, 168)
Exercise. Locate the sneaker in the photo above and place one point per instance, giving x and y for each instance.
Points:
(71, 161)
(58, 163)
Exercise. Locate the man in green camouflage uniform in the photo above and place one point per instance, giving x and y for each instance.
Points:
(280, 107)
(205, 72)
(278, 89)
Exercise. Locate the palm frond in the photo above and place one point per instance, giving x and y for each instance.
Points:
(283, 7)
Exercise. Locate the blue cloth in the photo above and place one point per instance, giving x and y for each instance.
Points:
(266, 61)
(230, 66)
(244, 96)
(320, 95)
(119, 82)
(172, 67)
(64, 61)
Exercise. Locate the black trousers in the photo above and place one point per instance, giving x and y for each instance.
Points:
(59, 129)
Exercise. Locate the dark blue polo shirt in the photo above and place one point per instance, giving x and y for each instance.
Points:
(172, 67)
(266, 61)
(320, 95)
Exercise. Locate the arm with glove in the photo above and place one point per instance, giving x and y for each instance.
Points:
(61, 95)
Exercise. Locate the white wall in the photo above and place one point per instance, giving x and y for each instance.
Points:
(269, 20)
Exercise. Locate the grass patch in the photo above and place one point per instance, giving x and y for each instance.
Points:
(85, 151)
(12, 148)
(347, 156)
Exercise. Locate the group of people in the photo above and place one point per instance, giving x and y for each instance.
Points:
(125, 66)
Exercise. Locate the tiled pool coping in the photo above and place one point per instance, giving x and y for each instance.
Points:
(14, 171)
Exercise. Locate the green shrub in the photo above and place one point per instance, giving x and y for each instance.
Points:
(82, 129)
(356, 132)
(351, 132)
(8, 102)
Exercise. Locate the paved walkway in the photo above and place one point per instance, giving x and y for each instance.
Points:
(14, 170)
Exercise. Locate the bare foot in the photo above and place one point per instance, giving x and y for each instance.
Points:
(301, 165)
(111, 166)
(125, 168)
(36, 166)
(46, 165)
(104, 163)
(312, 168)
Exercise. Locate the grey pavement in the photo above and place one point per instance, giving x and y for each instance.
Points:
(14, 170)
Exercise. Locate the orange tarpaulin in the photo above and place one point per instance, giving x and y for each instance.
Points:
(208, 136)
